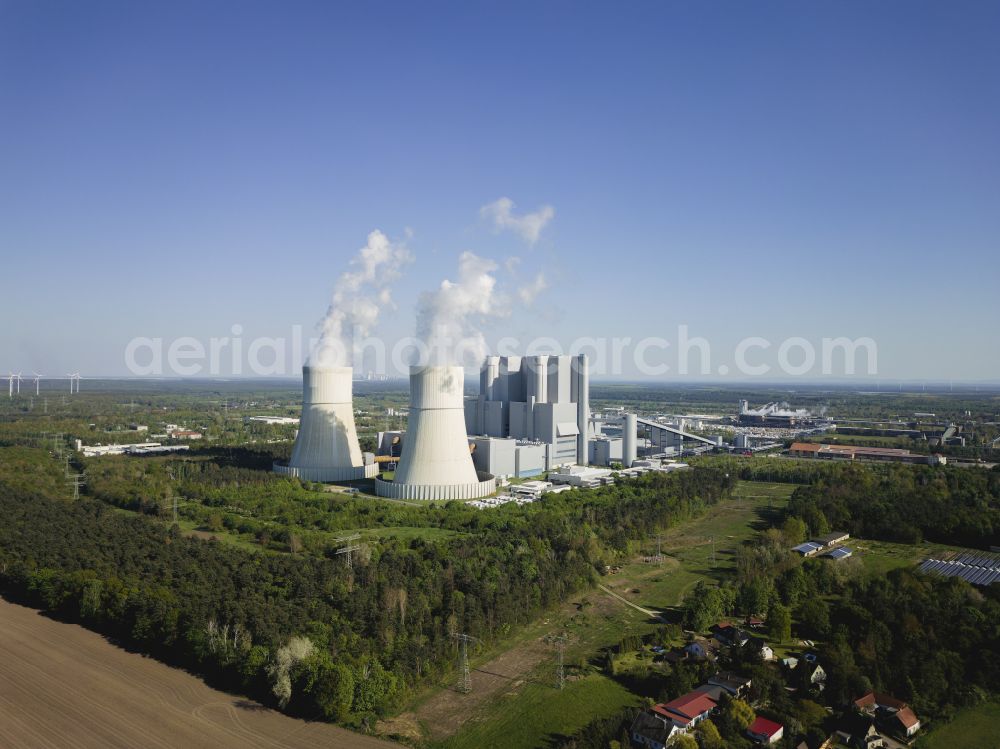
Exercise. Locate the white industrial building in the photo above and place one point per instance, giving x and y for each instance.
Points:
(531, 415)
(326, 447)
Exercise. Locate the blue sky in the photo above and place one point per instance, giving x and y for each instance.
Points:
(746, 169)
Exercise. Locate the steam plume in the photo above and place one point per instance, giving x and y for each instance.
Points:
(528, 225)
(358, 297)
(532, 289)
(448, 318)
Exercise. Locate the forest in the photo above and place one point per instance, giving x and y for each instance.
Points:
(959, 506)
(305, 632)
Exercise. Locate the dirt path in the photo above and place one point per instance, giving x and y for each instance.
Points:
(64, 686)
(637, 607)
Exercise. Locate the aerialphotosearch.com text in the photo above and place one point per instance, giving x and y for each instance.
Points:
(685, 355)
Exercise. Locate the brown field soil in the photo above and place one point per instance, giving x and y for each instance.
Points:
(64, 686)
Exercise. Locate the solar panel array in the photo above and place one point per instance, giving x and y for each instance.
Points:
(809, 547)
(839, 553)
(978, 569)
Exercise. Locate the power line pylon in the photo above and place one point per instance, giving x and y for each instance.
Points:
(349, 549)
(76, 481)
(559, 641)
(465, 684)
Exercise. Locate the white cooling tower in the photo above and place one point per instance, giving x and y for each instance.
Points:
(436, 462)
(326, 448)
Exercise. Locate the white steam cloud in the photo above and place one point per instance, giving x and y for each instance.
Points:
(528, 226)
(359, 296)
(449, 318)
(532, 289)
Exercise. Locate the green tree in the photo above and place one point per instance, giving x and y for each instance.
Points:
(779, 623)
(794, 530)
(703, 606)
(333, 691)
(738, 715)
(683, 741)
(755, 595)
(90, 601)
(816, 520)
(814, 618)
(809, 713)
(709, 736)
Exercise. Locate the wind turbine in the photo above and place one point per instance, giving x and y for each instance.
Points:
(10, 384)
(38, 377)
(18, 378)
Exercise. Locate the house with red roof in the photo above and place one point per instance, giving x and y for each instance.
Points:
(906, 722)
(765, 731)
(655, 726)
(688, 710)
(892, 715)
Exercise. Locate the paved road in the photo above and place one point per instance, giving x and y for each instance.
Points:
(63, 686)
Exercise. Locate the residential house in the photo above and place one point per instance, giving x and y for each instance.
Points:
(906, 722)
(765, 650)
(859, 731)
(728, 634)
(651, 730)
(872, 701)
(764, 731)
(701, 649)
(687, 710)
(712, 690)
(817, 675)
(733, 683)
(892, 715)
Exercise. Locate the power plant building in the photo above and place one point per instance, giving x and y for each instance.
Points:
(536, 404)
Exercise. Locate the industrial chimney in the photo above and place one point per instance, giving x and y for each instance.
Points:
(326, 448)
(436, 462)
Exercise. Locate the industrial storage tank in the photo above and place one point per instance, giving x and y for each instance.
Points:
(629, 436)
(436, 462)
(326, 447)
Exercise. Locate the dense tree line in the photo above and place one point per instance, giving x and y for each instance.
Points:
(904, 503)
(322, 639)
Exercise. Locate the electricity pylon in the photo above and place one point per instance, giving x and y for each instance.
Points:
(349, 549)
(465, 685)
(559, 641)
(76, 481)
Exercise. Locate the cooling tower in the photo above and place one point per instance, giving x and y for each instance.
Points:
(436, 462)
(326, 448)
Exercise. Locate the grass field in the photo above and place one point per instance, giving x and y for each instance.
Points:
(975, 728)
(539, 712)
(522, 708)
(881, 557)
